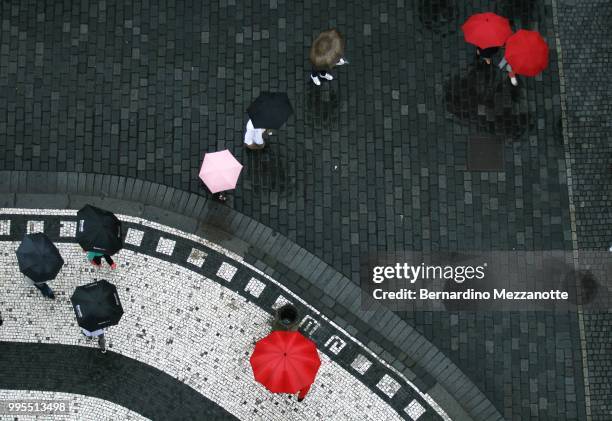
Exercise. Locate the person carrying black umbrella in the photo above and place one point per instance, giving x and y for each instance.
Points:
(40, 261)
(96, 334)
(97, 306)
(99, 234)
(95, 258)
(44, 289)
(268, 112)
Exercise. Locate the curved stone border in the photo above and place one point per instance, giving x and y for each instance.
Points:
(380, 329)
(81, 407)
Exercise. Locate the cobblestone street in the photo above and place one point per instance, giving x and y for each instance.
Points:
(115, 103)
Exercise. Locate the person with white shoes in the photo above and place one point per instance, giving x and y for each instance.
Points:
(325, 53)
(253, 138)
(503, 64)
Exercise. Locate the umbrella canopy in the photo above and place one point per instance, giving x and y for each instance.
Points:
(327, 49)
(270, 110)
(99, 230)
(285, 362)
(97, 305)
(38, 258)
(527, 53)
(220, 171)
(486, 30)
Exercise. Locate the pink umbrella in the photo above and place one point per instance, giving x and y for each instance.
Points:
(220, 171)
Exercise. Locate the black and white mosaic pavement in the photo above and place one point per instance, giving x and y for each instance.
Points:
(193, 311)
(379, 159)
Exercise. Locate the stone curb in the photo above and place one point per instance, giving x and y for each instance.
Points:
(425, 366)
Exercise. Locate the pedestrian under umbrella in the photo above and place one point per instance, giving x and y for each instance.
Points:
(97, 306)
(220, 172)
(270, 110)
(326, 52)
(488, 32)
(285, 362)
(526, 54)
(99, 231)
(40, 261)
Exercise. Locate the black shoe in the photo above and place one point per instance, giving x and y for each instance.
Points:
(51, 295)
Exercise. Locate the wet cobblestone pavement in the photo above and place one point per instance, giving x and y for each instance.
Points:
(377, 159)
(585, 35)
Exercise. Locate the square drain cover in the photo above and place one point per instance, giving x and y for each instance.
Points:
(485, 153)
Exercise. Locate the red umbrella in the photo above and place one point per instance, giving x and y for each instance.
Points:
(486, 30)
(285, 362)
(527, 53)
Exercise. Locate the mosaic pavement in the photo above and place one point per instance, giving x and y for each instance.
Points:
(197, 329)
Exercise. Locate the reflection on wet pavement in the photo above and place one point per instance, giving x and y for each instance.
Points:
(485, 98)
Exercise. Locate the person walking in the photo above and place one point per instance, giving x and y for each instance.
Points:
(302, 393)
(504, 65)
(326, 52)
(95, 257)
(44, 289)
(253, 138)
(485, 54)
(96, 334)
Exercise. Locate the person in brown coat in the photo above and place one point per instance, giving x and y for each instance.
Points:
(325, 53)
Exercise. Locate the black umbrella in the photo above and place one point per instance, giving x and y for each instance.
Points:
(38, 258)
(270, 110)
(97, 305)
(99, 230)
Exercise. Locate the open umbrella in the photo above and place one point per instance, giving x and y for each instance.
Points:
(285, 362)
(98, 230)
(486, 30)
(38, 258)
(270, 110)
(527, 53)
(220, 171)
(97, 305)
(327, 49)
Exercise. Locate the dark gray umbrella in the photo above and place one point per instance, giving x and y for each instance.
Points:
(99, 230)
(97, 305)
(38, 258)
(270, 110)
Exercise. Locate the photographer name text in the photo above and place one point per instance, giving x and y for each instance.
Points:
(469, 294)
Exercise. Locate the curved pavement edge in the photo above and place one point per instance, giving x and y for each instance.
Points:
(381, 330)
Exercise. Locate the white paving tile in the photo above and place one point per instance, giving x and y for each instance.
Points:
(5, 227)
(35, 226)
(68, 228)
(134, 237)
(280, 301)
(361, 364)
(165, 246)
(388, 385)
(414, 410)
(197, 257)
(226, 271)
(255, 287)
